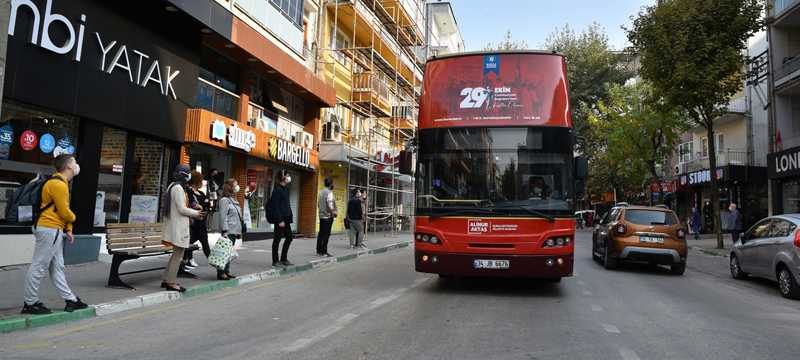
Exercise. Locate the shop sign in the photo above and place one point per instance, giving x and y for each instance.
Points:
(113, 56)
(784, 164)
(28, 140)
(240, 138)
(6, 135)
(237, 137)
(282, 150)
(64, 146)
(700, 177)
(47, 143)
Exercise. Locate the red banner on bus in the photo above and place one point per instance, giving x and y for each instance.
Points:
(506, 89)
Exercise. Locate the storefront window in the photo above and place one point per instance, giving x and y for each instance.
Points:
(108, 203)
(791, 197)
(29, 140)
(148, 162)
(258, 190)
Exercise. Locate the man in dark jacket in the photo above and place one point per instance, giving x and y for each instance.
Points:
(280, 214)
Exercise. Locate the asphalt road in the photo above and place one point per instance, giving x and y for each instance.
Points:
(379, 308)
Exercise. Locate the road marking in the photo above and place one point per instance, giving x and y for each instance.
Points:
(628, 354)
(610, 329)
(581, 282)
(596, 308)
(587, 293)
(259, 251)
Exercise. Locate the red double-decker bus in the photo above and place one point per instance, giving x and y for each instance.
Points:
(497, 179)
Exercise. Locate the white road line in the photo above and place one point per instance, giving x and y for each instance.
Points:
(597, 308)
(628, 354)
(610, 329)
(587, 293)
(581, 282)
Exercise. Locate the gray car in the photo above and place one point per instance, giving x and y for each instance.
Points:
(771, 250)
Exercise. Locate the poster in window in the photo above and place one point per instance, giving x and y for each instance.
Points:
(284, 129)
(6, 139)
(308, 140)
(144, 209)
(99, 209)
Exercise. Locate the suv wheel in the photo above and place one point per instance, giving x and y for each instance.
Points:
(678, 269)
(609, 261)
(787, 284)
(736, 269)
(595, 257)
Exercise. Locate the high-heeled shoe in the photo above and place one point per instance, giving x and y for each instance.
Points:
(223, 277)
(175, 288)
(231, 276)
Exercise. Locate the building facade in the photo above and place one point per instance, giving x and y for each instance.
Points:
(741, 151)
(134, 88)
(784, 134)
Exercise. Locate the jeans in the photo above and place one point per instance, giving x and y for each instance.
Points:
(356, 232)
(48, 257)
(199, 233)
(324, 235)
(281, 232)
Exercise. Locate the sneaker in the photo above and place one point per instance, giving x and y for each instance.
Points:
(327, 255)
(277, 265)
(363, 247)
(35, 309)
(192, 263)
(75, 305)
(287, 263)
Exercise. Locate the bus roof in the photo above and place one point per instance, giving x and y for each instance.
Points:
(496, 52)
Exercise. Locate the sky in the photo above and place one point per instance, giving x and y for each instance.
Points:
(483, 21)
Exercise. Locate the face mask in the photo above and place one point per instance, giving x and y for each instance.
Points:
(236, 189)
(76, 170)
(288, 179)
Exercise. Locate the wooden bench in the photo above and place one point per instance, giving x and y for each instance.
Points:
(132, 241)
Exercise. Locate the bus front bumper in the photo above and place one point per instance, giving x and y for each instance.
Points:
(532, 266)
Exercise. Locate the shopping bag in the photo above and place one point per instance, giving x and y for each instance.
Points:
(221, 253)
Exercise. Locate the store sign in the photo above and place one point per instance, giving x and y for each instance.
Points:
(240, 138)
(114, 56)
(282, 150)
(6, 135)
(784, 164)
(237, 137)
(700, 177)
(28, 140)
(47, 143)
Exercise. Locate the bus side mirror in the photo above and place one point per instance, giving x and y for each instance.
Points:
(581, 168)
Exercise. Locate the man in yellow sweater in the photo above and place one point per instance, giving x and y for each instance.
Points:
(54, 223)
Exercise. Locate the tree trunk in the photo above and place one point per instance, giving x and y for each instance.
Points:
(712, 167)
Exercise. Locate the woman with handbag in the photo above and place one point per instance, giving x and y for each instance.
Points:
(177, 214)
(231, 222)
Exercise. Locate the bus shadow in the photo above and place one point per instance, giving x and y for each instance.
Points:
(510, 287)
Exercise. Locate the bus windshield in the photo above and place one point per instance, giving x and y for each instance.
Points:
(513, 171)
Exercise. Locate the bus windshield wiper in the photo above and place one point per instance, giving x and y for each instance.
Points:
(462, 212)
(475, 202)
(533, 212)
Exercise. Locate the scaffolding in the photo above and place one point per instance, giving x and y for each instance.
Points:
(383, 97)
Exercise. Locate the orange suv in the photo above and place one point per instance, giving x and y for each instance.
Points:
(640, 234)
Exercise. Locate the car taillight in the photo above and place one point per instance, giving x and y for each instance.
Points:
(681, 234)
(620, 229)
(797, 238)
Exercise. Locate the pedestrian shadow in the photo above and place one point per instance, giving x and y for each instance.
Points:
(503, 287)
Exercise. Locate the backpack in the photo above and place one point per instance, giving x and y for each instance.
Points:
(25, 204)
(269, 209)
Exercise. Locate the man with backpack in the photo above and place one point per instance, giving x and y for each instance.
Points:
(52, 221)
(279, 213)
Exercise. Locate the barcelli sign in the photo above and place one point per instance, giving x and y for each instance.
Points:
(282, 150)
(237, 137)
(141, 69)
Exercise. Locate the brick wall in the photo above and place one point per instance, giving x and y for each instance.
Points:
(112, 152)
(147, 156)
(307, 220)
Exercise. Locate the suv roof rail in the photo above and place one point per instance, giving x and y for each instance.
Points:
(662, 206)
(622, 204)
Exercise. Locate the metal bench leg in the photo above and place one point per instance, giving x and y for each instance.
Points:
(113, 276)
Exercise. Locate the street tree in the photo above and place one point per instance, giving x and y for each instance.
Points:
(692, 51)
(591, 65)
(639, 128)
(508, 43)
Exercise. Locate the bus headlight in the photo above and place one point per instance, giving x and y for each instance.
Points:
(556, 242)
(428, 239)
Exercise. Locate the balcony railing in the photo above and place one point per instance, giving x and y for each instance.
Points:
(780, 6)
(787, 67)
(724, 158)
(216, 99)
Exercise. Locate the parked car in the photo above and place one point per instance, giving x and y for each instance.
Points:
(640, 234)
(770, 249)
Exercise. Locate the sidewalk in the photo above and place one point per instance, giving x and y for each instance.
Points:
(708, 244)
(88, 280)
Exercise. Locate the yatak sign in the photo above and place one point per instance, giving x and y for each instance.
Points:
(142, 71)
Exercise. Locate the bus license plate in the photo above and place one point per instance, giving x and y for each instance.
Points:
(491, 264)
(651, 239)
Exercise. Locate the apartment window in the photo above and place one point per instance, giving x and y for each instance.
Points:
(291, 9)
(339, 41)
(719, 145)
(685, 152)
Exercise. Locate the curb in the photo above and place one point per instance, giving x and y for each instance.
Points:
(28, 322)
(712, 252)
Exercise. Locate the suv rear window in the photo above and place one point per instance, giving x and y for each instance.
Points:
(650, 217)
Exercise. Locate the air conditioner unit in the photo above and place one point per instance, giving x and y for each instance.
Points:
(332, 128)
